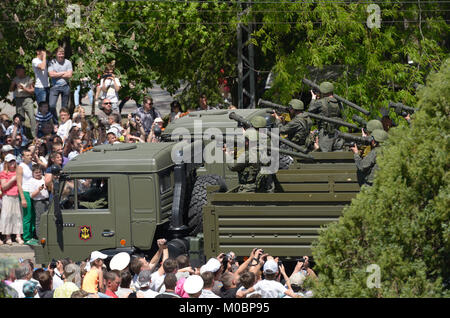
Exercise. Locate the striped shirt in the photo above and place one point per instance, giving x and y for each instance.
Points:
(43, 118)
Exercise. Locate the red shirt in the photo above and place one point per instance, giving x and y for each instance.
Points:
(111, 294)
(13, 190)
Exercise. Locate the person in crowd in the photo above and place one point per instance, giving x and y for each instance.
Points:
(214, 265)
(208, 284)
(44, 120)
(54, 159)
(229, 287)
(175, 111)
(72, 282)
(112, 283)
(109, 87)
(23, 88)
(157, 128)
(30, 289)
(203, 103)
(143, 285)
(58, 272)
(147, 114)
(246, 281)
(41, 86)
(104, 112)
(11, 215)
(65, 124)
(24, 177)
(170, 265)
(45, 289)
(93, 281)
(23, 274)
(170, 283)
(60, 70)
(39, 194)
(114, 124)
(193, 286)
(125, 284)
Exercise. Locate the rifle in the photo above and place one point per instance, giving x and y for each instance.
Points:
(339, 98)
(246, 124)
(401, 109)
(354, 139)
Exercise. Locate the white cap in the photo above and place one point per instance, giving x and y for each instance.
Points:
(9, 157)
(297, 279)
(112, 131)
(120, 261)
(96, 255)
(158, 120)
(193, 284)
(212, 265)
(7, 148)
(270, 267)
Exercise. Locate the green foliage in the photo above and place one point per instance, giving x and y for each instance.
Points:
(374, 61)
(401, 223)
(6, 264)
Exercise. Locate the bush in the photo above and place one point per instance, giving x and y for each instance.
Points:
(401, 223)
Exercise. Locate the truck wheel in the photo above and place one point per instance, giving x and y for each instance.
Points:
(285, 160)
(195, 220)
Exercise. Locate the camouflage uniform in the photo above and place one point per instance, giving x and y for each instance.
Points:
(249, 170)
(329, 107)
(367, 166)
(371, 126)
(298, 129)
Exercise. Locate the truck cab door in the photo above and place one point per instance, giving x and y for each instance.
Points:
(88, 219)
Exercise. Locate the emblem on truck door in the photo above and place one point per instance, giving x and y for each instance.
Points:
(85, 232)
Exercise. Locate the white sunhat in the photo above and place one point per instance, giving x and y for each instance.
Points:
(193, 284)
(212, 265)
(7, 148)
(96, 255)
(120, 261)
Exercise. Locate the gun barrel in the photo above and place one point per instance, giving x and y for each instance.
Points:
(295, 154)
(269, 104)
(332, 120)
(244, 122)
(356, 139)
(400, 106)
(359, 120)
(339, 98)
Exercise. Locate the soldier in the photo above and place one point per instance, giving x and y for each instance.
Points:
(368, 166)
(327, 105)
(298, 129)
(370, 127)
(249, 170)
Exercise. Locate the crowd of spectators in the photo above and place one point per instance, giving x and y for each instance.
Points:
(124, 276)
(51, 137)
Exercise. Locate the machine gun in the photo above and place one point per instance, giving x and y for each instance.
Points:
(246, 124)
(354, 139)
(402, 110)
(339, 98)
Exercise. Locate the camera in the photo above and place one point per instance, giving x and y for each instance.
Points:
(301, 259)
(53, 264)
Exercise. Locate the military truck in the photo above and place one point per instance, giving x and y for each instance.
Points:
(124, 197)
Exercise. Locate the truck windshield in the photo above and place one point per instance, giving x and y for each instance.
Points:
(89, 193)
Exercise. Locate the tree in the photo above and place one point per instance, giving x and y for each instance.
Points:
(401, 223)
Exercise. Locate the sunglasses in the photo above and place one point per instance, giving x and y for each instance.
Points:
(107, 103)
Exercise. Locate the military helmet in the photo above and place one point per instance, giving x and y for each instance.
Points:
(258, 122)
(296, 104)
(326, 88)
(251, 134)
(373, 124)
(270, 121)
(379, 135)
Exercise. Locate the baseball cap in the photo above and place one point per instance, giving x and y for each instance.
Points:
(297, 279)
(144, 279)
(193, 284)
(28, 288)
(96, 255)
(111, 131)
(270, 267)
(212, 265)
(7, 148)
(9, 157)
(158, 120)
(120, 261)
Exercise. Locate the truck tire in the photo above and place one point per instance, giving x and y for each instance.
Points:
(285, 160)
(198, 200)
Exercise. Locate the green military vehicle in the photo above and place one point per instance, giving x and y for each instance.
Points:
(124, 197)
